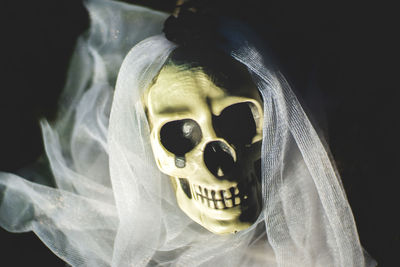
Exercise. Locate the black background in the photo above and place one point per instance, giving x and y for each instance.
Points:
(340, 57)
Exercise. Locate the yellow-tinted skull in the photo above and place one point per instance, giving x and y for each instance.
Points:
(207, 138)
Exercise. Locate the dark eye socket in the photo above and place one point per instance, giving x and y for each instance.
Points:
(236, 124)
(180, 137)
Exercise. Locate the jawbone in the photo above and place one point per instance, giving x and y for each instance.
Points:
(221, 211)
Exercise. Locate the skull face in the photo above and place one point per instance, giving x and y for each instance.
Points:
(207, 138)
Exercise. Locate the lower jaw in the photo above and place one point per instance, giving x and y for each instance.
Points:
(223, 221)
(224, 226)
(228, 221)
(246, 212)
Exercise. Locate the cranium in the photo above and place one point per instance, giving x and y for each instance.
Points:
(205, 118)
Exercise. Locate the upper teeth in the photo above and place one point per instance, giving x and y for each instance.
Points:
(218, 199)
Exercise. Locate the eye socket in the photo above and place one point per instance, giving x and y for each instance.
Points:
(236, 123)
(180, 137)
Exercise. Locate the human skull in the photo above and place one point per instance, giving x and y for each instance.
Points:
(207, 139)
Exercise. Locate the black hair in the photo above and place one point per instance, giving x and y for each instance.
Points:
(224, 71)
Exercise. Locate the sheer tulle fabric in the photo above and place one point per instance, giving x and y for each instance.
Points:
(110, 205)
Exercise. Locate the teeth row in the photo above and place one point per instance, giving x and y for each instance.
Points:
(221, 199)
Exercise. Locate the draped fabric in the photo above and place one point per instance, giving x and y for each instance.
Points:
(105, 203)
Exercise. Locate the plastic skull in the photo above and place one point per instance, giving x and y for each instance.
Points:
(205, 118)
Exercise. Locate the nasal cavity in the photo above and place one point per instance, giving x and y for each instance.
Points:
(218, 159)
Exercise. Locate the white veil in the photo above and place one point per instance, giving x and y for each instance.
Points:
(112, 207)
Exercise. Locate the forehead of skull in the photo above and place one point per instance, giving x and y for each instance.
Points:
(178, 89)
(190, 83)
